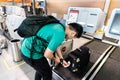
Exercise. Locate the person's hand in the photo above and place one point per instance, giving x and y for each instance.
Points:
(65, 64)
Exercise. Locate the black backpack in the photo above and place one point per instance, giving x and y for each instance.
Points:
(78, 58)
(32, 24)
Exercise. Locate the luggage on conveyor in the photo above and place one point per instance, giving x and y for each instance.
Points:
(79, 60)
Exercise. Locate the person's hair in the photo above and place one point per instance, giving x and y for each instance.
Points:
(77, 28)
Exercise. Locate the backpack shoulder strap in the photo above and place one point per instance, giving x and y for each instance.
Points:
(57, 21)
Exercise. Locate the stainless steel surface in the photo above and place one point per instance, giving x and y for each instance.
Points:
(16, 50)
(56, 76)
(66, 47)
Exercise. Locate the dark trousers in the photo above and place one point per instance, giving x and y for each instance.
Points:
(41, 66)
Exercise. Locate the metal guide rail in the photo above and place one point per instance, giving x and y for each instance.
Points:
(98, 52)
(110, 69)
(98, 64)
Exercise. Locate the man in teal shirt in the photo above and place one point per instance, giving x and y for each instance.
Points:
(54, 34)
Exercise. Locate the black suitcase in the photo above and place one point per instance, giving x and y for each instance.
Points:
(79, 60)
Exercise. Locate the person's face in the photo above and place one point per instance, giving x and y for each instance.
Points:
(70, 34)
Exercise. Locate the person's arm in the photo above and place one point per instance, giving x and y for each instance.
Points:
(59, 53)
(49, 54)
(61, 59)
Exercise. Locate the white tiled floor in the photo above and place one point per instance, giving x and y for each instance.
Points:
(10, 70)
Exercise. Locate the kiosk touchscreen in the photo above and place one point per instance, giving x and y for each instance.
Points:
(113, 28)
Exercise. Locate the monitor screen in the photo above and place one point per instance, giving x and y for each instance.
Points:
(113, 27)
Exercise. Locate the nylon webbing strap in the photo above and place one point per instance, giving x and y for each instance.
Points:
(32, 47)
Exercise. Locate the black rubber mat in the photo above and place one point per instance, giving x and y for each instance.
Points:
(111, 68)
(116, 54)
(110, 71)
(96, 48)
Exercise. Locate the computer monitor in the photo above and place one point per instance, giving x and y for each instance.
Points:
(113, 28)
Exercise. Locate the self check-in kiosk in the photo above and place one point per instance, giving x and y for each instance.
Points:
(112, 29)
(90, 18)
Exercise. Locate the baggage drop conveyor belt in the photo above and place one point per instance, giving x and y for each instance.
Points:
(111, 69)
(96, 48)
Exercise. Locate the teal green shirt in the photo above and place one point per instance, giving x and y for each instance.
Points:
(54, 34)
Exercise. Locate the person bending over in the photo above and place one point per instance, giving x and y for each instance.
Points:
(54, 34)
